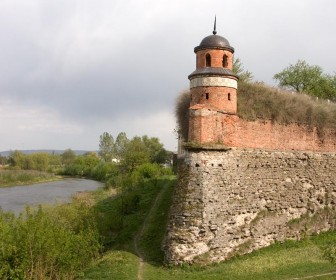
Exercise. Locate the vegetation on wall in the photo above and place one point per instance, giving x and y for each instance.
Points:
(258, 101)
(182, 105)
(307, 105)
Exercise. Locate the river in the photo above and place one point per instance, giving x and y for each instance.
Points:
(15, 198)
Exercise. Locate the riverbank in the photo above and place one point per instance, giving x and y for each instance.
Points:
(10, 178)
(16, 198)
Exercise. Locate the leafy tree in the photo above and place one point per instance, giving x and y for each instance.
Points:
(300, 77)
(238, 69)
(120, 144)
(68, 157)
(136, 153)
(325, 88)
(17, 159)
(155, 149)
(38, 161)
(106, 147)
(310, 79)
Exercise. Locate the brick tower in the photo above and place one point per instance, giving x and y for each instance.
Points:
(213, 88)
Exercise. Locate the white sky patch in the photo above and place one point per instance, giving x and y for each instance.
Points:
(18, 117)
(33, 128)
(161, 125)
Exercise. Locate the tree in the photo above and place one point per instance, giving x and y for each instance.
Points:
(300, 77)
(155, 149)
(325, 88)
(303, 77)
(120, 144)
(3, 160)
(106, 147)
(17, 159)
(39, 161)
(238, 69)
(136, 153)
(68, 157)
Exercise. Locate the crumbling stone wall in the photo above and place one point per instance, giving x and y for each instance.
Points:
(235, 201)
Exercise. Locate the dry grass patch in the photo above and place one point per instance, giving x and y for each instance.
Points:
(259, 101)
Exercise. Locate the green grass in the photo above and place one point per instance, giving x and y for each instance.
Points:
(124, 264)
(280, 261)
(9, 178)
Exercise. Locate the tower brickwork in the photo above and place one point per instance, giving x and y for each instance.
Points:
(213, 89)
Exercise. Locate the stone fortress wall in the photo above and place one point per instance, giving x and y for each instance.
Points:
(235, 201)
(243, 185)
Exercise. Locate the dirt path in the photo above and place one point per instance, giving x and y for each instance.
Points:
(316, 276)
(140, 233)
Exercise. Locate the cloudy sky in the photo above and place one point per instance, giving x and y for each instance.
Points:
(72, 69)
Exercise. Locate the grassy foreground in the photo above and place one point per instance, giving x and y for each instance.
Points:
(280, 261)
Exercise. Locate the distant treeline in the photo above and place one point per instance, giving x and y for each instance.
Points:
(145, 155)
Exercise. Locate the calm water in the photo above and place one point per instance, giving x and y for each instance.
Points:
(15, 198)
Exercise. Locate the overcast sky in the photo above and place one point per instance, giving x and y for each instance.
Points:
(72, 69)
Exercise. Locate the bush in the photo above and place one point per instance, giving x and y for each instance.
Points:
(182, 113)
(53, 244)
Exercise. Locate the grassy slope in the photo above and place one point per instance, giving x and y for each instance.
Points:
(279, 261)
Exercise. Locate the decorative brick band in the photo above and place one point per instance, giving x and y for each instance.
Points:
(213, 82)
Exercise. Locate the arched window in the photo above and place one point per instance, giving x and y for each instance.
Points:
(225, 60)
(229, 96)
(207, 96)
(208, 60)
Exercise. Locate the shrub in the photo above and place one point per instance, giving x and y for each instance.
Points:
(53, 244)
(182, 113)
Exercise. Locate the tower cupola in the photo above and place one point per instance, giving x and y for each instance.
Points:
(213, 89)
(213, 83)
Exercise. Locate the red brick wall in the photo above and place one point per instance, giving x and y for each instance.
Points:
(216, 58)
(207, 126)
(217, 98)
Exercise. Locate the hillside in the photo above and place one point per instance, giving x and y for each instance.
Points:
(48, 151)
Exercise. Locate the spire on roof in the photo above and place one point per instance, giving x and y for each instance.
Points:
(214, 32)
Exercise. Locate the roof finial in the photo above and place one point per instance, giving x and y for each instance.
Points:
(214, 31)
